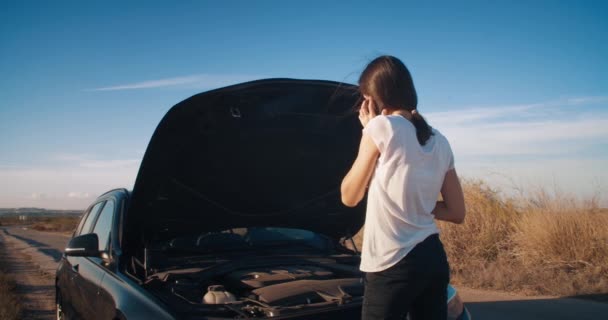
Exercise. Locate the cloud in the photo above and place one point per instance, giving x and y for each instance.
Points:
(583, 177)
(78, 195)
(515, 147)
(37, 196)
(70, 183)
(466, 115)
(533, 138)
(587, 100)
(197, 80)
(547, 128)
(519, 112)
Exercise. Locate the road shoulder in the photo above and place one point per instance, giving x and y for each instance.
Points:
(34, 286)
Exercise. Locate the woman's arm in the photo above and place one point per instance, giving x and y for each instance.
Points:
(355, 183)
(452, 208)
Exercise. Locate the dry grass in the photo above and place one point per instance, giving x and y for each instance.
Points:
(56, 224)
(49, 223)
(10, 308)
(534, 243)
(539, 243)
(9, 221)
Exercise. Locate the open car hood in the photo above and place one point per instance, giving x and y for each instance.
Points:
(264, 153)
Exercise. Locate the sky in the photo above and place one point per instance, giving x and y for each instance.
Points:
(519, 88)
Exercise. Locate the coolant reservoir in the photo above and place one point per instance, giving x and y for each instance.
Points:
(218, 295)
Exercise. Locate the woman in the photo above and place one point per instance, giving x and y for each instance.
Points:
(405, 164)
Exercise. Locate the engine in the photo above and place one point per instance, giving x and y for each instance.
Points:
(271, 291)
(296, 285)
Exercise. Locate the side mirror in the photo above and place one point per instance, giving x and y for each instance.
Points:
(86, 245)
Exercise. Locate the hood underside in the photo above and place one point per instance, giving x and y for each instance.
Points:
(264, 153)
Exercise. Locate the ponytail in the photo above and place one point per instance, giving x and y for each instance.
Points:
(423, 130)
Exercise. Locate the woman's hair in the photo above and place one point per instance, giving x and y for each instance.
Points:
(389, 83)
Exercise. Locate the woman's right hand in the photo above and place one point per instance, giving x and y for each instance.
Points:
(368, 110)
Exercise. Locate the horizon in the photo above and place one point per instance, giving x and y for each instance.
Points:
(519, 89)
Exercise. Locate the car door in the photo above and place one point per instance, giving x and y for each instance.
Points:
(69, 291)
(92, 269)
(103, 304)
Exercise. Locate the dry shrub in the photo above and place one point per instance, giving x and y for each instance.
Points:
(562, 240)
(56, 224)
(9, 221)
(485, 234)
(541, 242)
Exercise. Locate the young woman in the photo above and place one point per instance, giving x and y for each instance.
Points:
(405, 164)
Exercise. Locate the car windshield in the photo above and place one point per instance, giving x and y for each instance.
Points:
(249, 238)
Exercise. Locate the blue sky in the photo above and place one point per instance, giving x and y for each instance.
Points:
(520, 89)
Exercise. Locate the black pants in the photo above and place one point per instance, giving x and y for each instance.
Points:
(416, 285)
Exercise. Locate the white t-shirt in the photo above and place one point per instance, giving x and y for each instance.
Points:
(403, 190)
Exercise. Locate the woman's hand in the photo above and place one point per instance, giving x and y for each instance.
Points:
(356, 180)
(367, 111)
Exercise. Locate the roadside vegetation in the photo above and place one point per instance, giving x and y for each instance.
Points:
(65, 224)
(547, 243)
(10, 308)
(534, 243)
(58, 224)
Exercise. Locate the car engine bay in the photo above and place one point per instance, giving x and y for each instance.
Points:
(263, 291)
(252, 273)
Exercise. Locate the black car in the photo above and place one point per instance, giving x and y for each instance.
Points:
(235, 214)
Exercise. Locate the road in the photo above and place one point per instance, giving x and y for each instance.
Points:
(50, 243)
(32, 257)
(46, 248)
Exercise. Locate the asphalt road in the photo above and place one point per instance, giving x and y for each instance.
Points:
(485, 304)
(481, 303)
(49, 243)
